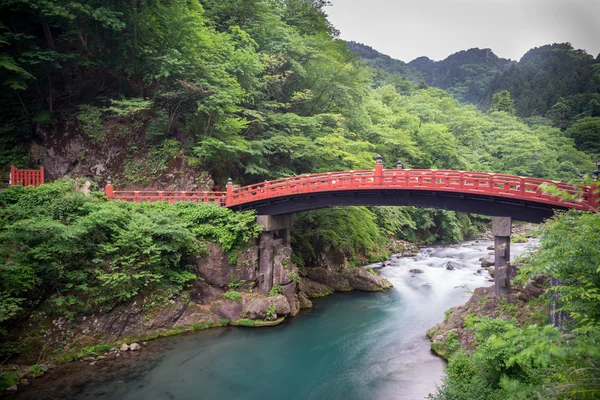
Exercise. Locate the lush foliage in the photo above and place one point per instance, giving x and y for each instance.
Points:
(256, 90)
(75, 253)
(533, 361)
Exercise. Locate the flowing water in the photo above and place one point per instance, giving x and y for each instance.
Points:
(349, 346)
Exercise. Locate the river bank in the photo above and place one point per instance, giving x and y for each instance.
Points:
(376, 339)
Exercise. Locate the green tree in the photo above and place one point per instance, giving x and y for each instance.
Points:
(502, 101)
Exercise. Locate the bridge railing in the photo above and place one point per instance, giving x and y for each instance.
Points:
(478, 183)
(150, 196)
(26, 177)
(501, 185)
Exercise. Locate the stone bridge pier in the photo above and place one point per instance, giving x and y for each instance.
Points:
(274, 250)
(501, 228)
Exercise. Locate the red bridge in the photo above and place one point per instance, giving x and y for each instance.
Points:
(475, 192)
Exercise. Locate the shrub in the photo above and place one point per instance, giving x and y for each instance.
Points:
(275, 290)
(232, 295)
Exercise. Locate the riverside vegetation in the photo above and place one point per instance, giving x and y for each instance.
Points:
(503, 348)
(184, 94)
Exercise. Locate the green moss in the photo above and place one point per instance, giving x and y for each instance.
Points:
(232, 295)
(79, 353)
(8, 378)
(256, 323)
(244, 322)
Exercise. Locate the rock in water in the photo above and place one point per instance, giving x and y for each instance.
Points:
(487, 261)
(13, 388)
(134, 347)
(450, 266)
(416, 271)
(124, 347)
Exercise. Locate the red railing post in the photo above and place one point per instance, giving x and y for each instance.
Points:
(41, 175)
(378, 179)
(12, 178)
(594, 197)
(229, 193)
(108, 190)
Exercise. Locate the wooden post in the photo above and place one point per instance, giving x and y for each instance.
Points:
(378, 171)
(501, 228)
(41, 175)
(108, 190)
(229, 192)
(12, 177)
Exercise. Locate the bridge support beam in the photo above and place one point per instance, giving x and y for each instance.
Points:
(501, 228)
(276, 232)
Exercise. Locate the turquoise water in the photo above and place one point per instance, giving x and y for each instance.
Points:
(349, 346)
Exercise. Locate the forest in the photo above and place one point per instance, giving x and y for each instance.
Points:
(261, 89)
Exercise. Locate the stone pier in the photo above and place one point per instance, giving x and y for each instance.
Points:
(501, 228)
(274, 240)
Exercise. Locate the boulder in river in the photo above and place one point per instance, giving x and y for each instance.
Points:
(256, 308)
(12, 388)
(416, 271)
(487, 261)
(134, 347)
(366, 279)
(491, 247)
(124, 347)
(282, 306)
(450, 266)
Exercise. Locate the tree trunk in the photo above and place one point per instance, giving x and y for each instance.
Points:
(48, 36)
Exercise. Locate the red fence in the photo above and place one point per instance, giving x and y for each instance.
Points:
(26, 177)
(480, 183)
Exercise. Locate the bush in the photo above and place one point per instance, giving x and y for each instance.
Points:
(275, 290)
(232, 295)
(71, 253)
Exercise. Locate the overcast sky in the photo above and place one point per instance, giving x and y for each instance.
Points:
(407, 29)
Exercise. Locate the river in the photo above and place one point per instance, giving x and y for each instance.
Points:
(349, 346)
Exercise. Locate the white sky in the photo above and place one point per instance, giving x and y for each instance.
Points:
(407, 29)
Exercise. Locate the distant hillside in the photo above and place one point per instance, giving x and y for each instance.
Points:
(386, 63)
(554, 81)
(466, 74)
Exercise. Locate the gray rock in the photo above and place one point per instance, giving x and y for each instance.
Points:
(312, 289)
(416, 271)
(227, 308)
(256, 308)
(304, 301)
(487, 261)
(366, 280)
(289, 291)
(214, 267)
(282, 307)
(134, 347)
(13, 388)
(93, 363)
(88, 359)
(124, 347)
(332, 278)
(451, 266)
(491, 247)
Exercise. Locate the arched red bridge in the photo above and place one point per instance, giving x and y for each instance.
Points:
(475, 192)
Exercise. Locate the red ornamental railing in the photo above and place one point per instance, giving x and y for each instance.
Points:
(479, 183)
(26, 177)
